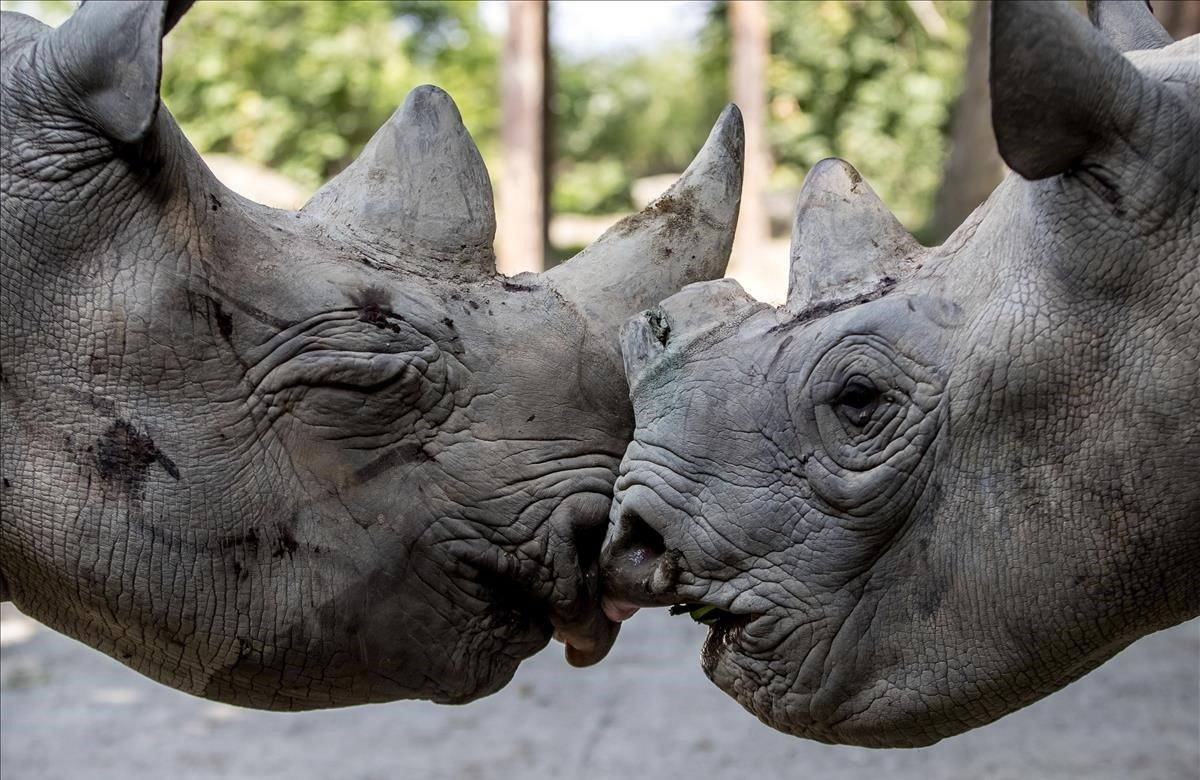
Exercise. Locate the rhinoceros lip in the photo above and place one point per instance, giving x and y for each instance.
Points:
(724, 631)
(520, 596)
(587, 642)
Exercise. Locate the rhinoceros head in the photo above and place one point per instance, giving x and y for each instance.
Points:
(939, 484)
(311, 458)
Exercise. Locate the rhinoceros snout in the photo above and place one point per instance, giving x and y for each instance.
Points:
(688, 314)
(638, 567)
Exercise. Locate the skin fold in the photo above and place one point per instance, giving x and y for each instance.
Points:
(939, 484)
(315, 458)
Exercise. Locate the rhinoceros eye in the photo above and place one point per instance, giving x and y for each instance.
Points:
(870, 414)
(365, 380)
(858, 400)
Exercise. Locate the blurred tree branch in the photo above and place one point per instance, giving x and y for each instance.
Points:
(749, 50)
(973, 166)
(522, 222)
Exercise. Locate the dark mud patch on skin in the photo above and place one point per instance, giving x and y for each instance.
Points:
(517, 287)
(825, 308)
(285, 542)
(660, 326)
(930, 598)
(679, 210)
(373, 298)
(123, 455)
(247, 541)
(224, 321)
(451, 338)
(243, 549)
(373, 315)
(375, 308)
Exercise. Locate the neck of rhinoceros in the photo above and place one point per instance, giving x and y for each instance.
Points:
(90, 293)
(100, 206)
(113, 218)
(96, 272)
(1071, 464)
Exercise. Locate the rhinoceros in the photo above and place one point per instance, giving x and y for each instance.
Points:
(938, 484)
(299, 459)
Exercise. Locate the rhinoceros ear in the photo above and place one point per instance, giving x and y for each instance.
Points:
(108, 61)
(846, 244)
(1129, 24)
(1059, 89)
(420, 185)
(682, 237)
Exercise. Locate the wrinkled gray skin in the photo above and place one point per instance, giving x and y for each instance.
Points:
(315, 458)
(940, 484)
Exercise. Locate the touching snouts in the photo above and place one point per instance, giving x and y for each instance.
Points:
(638, 568)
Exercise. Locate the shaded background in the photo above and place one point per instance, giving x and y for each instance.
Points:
(646, 711)
(585, 111)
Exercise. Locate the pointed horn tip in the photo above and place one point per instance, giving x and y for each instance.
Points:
(835, 175)
(729, 133)
(431, 101)
(720, 160)
(730, 122)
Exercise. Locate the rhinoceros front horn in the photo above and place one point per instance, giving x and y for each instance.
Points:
(846, 244)
(419, 186)
(682, 237)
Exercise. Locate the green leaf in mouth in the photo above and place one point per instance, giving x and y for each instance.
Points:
(705, 614)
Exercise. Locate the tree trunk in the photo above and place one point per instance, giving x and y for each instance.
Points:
(749, 49)
(521, 230)
(1180, 17)
(974, 166)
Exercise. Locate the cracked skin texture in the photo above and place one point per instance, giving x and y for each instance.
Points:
(932, 508)
(298, 459)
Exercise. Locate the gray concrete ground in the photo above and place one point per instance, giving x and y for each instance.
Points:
(646, 712)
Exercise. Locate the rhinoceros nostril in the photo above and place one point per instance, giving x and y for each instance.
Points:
(588, 540)
(638, 569)
(638, 543)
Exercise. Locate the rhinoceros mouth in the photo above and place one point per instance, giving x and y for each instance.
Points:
(725, 632)
(530, 598)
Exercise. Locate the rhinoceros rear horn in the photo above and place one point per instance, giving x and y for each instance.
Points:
(1059, 89)
(682, 237)
(1129, 25)
(108, 56)
(846, 244)
(419, 185)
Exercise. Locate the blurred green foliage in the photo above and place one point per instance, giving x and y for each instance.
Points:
(300, 87)
(863, 80)
(619, 118)
(866, 81)
(51, 12)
